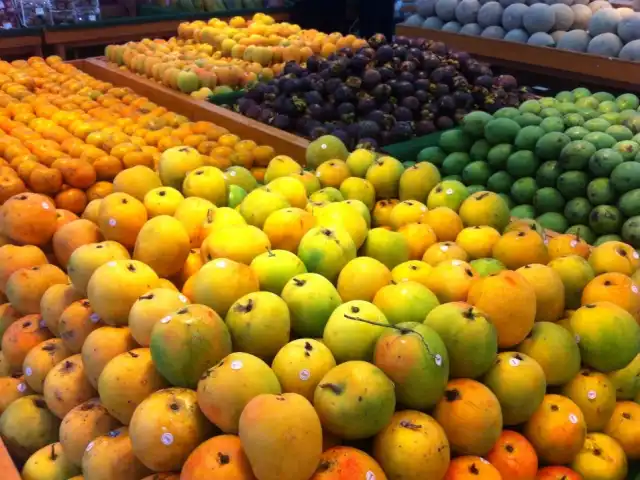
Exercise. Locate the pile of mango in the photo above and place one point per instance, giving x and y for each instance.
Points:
(355, 319)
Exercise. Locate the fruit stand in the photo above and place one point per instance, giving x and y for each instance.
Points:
(185, 288)
(569, 66)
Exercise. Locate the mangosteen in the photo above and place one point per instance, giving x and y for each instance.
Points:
(443, 75)
(257, 92)
(371, 78)
(346, 112)
(403, 89)
(367, 52)
(425, 127)
(288, 85)
(329, 112)
(344, 136)
(267, 115)
(403, 114)
(462, 99)
(301, 124)
(331, 85)
(406, 77)
(316, 111)
(461, 57)
(384, 54)
(346, 51)
(377, 40)
(386, 73)
(367, 144)
(401, 53)
(367, 128)
(385, 138)
(313, 97)
(358, 63)
(430, 61)
(343, 94)
(446, 104)
(292, 68)
(313, 63)
(411, 102)
(283, 122)
(387, 107)
(366, 105)
(353, 82)
(318, 132)
(444, 123)
(401, 40)
(244, 104)
(484, 81)
(427, 114)
(253, 112)
(422, 96)
(376, 116)
(401, 132)
(414, 54)
(438, 48)
(460, 83)
(339, 67)
(381, 92)
(508, 82)
(418, 43)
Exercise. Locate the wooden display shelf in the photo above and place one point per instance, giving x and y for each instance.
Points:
(100, 34)
(550, 62)
(283, 142)
(8, 469)
(23, 45)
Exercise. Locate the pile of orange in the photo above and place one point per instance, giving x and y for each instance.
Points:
(67, 135)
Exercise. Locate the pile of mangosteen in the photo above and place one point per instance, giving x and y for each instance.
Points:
(388, 92)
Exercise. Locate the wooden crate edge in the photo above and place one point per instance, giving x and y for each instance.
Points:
(283, 142)
(7, 467)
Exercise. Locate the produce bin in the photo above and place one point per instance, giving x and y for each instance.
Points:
(283, 142)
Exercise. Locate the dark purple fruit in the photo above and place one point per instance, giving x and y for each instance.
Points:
(444, 123)
(282, 122)
(507, 82)
(412, 103)
(403, 114)
(425, 127)
(384, 54)
(371, 78)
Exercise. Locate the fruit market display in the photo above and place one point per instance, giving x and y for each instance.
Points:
(571, 162)
(212, 57)
(586, 26)
(373, 92)
(383, 94)
(223, 313)
(77, 139)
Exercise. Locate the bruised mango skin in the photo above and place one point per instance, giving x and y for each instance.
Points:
(412, 446)
(601, 457)
(41, 359)
(291, 425)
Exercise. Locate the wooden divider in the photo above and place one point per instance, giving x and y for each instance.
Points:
(8, 469)
(283, 142)
(579, 67)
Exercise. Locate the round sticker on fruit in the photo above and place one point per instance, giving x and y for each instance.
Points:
(166, 439)
(236, 365)
(305, 375)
